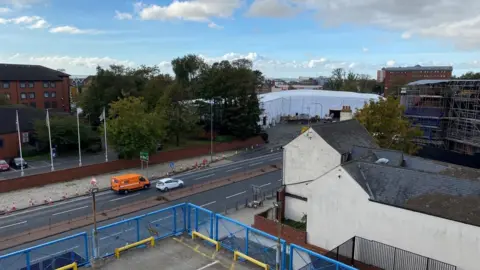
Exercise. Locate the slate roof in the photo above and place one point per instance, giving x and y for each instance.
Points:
(431, 193)
(14, 72)
(27, 117)
(344, 135)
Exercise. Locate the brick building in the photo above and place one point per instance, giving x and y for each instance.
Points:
(394, 78)
(35, 86)
(8, 130)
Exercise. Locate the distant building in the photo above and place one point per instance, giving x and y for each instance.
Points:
(394, 78)
(35, 86)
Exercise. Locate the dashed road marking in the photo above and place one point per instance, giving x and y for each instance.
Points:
(240, 193)
(205, 176)
(207, 204)
(234, 169)
(254, 164)
(267, 184)
(11, 225)
(71, 210)
(125, 197)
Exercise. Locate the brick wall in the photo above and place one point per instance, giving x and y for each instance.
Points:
(117, 165)
(289, 234)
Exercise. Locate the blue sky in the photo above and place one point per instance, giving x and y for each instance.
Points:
(284, 38)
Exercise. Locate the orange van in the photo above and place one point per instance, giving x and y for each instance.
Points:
(129, 182)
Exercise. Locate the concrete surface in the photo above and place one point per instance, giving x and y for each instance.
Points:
(178, 253)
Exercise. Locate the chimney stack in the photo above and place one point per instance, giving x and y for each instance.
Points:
(346, 113)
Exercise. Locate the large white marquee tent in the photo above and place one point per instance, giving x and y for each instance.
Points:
(310, 102)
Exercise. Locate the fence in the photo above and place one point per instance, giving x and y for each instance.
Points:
(358, 250)
(304, 259)
(200, 220)
(50, 255)
(257, 244)
(159, 224)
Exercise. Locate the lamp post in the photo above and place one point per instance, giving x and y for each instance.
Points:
(211, 130)
(278, 206)
(93, 190)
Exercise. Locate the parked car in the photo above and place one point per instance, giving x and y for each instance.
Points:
(17, 162)
(4, 166)
(167, 184)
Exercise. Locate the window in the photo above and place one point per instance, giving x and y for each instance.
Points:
(54, 104)
(46, 94)
(1, 144)
(33, 104)
(5, 85)
(7, 96)
(25, 137)
(31, 95)
(45, 84)
(23, 85)
(53, 94)
(52, 84)
(23, 96)
(47, 105)
(31, 84)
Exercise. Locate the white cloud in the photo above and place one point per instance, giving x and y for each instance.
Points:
(364, 49)
(5, 10)
(214, 25)
(20, 3)
(39, 24)
(122, 15)
(67, 29)
(390, 63)
(32, 22)
(406, 35)
(195, 10)
(272, 9)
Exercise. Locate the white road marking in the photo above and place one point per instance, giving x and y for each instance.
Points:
(279, 180)
(266, 185)
(205, 176)
(258, 163)
(71, 210)
(208, 204)
(11, 225)
(11, 168)
(208, 265)
(124, 197)
(275, 158)
(160, 219)
(115, 234)
(234, 169)
(54, 254)
(231, 196)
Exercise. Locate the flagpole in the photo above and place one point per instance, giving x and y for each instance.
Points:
(50, 141)
(79, 146)
(20, 145)
(105, 133)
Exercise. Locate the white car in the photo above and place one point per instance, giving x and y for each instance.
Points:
(169, 183)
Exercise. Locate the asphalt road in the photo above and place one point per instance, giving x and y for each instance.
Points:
(44, 215)
(216, 200)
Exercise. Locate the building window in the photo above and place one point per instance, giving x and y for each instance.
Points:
(33, 104)
(1, 143)
(5, 85)
(53, 94)
(23, 96)
(52, 84)
(31, 84)
(54, 104)
(45, 84)
(31, 95)
(7, 96)
(23, 85)
(25, 137)
(46, 94)
(47, 105)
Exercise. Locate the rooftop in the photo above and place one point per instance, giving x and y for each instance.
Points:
(27, 117)
(418, 68)
(14, 72)
(428, 82)
(344, 135)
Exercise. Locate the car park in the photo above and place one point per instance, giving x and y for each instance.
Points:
(167, 184)
(17, 163)
(4, 166)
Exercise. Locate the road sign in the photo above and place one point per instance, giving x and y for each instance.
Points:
(172, 165)
(144, 156)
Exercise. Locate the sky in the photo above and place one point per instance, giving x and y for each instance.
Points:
(283, 38)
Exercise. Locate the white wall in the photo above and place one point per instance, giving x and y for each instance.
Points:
(305, 159)
(340, 210)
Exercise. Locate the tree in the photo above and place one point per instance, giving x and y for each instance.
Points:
(64, 133)
(336, 81)
(155, 88)
(4, 100)
(351, 82)
(470, 76)
(385, 121)
(132, 129)
(179, 115)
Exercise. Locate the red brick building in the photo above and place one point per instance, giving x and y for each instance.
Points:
(35, 86)
(394, 78)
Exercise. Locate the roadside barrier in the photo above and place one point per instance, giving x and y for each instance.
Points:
(208, 239)
(150, 240)
(237, 254)
(72, 266)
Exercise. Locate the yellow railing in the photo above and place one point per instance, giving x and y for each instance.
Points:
(72, 266)
(199, 235)
(237, 254)
(136, 244)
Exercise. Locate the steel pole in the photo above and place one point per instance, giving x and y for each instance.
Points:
(211, 131)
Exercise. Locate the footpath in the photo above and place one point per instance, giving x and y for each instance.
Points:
(20, 199)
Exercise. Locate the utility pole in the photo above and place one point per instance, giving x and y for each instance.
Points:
(93, 190)
(211, 130)
(278, 207)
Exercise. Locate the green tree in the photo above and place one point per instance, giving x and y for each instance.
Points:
(470, 76)
(64, 133)
(132, 129)
(385, 121)
(336, 80)
(155, 88)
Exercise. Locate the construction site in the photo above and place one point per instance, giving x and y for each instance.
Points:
(447, 111)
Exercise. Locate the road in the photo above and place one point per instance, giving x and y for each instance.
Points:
(44, 215)
(59, 163)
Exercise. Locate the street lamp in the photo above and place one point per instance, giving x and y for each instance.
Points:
(211, 130)
(93, 190)
(277, 206)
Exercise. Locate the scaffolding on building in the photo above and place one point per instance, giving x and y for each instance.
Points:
(447, 111)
